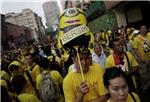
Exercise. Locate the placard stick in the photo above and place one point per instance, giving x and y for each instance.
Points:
(81, 69)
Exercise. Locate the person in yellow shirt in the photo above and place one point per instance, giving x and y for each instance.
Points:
(32, 67)
(53, 58)
(113, 59)
(4, 75)
(16, 63)
(54, 76)
(27, 98)
(141, 46)
(116, 82)
(121, 59)
(104, 39)
(128, 33)
(14, 70)
(18, 84)
(31, 71)
(89, 89)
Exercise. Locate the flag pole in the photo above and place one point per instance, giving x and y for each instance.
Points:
(81, 69)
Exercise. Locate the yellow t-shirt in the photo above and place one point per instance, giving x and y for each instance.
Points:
(35, 71)
(111, 63)
(130, 99)
(4, 75)
(28, 98)
(3, 83)
(133, 63)
(104, 38)
(139, 45)
(57, 79)
(94, 80)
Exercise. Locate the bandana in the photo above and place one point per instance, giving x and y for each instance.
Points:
(118, 58)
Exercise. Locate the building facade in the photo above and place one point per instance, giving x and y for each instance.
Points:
(131, 13)
(52, 12)
(29, 19)
(104, 15)
(13, 36)
(82, 4)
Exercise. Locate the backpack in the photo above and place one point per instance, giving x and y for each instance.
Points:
(47, 90)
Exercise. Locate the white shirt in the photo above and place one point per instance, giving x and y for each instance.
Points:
(99, 59)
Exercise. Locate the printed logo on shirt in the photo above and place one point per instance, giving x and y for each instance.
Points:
(146, 46)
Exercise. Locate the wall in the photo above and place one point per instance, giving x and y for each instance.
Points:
(104, 22)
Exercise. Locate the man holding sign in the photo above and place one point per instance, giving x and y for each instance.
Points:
(85, 82)
(87, 89)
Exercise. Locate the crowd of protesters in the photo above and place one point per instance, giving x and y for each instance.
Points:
(24, 69)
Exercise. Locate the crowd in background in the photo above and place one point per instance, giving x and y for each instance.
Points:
(126, 48)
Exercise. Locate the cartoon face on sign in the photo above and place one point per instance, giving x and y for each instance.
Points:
(73, 29)
(71, 18)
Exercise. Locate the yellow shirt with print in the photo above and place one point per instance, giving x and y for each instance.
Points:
(94, 80)
(111, 63)
(57, 79)
(130, 99)
(138, 45)
(24, 97)
(35, 71)
(133, 63)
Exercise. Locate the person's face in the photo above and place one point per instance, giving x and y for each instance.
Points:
(121, 39)
(14, 70)
(118, 47)
(118, 89)
(97, 49)
(85, 62)
(29, 60)
(143, 29)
